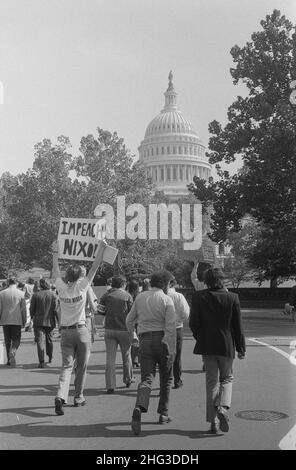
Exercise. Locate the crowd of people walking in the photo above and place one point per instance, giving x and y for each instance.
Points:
(146, 322)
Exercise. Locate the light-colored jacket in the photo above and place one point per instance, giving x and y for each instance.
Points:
(12, 306)
(181, 306)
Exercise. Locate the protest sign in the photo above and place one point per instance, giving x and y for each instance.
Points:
(79, 239)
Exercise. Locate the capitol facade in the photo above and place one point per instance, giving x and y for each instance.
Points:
(171, 151)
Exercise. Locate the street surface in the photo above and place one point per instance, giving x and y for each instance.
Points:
(263, 391)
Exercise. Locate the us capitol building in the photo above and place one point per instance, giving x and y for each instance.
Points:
(171, 150)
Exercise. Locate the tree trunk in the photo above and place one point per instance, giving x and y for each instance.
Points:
(273, 283)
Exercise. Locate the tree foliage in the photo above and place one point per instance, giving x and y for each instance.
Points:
(261, 128)
(61, 184)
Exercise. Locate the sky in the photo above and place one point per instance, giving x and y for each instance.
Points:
(70, 66)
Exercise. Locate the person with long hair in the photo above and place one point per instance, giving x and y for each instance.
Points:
(215, 321)
(75, 337)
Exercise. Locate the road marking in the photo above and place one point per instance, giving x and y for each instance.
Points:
(283, 353)
(288, 442)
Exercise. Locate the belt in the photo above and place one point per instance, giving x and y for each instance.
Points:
(148, 334)
(76, 325)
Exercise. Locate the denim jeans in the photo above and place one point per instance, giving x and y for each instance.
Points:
(219, 380)
(75, 345)
(43, 337)
(113, 338)
(177, 367)
(12, 338)
(153, 352)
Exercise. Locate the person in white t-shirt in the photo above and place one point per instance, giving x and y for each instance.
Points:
(75, 337)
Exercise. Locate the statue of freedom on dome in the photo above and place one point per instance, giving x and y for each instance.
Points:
(171, 86)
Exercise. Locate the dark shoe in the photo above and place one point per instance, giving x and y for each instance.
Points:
(59, 406)
(136, 421)
(178, 385)
(203, 368)
(164, 419)
(79, 401)
(12, 360)
(41, 365)
(223, 419)
(49, 360)
(129, 383)
(110, 390)
(214, 429)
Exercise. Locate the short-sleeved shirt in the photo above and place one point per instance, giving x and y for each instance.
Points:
(72, 299)
(115, 304)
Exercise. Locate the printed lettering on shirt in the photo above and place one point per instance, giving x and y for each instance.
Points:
(71, 300)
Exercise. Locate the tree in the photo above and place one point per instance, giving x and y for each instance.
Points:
(236, 265)
(37, 200)
(261, 129)
(60, 185)
(9, 259)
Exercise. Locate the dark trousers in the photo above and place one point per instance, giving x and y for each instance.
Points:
(12, 338)
(43, 337)
(153, 352)
(177, 368)
(135, 354)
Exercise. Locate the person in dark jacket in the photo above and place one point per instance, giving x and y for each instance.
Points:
(43, 311)
(215, 321)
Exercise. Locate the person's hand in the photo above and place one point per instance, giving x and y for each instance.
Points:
(102, 247)
(241, 355)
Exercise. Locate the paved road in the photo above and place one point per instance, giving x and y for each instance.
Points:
(264, 388)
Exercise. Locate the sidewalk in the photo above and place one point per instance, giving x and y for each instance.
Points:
(265, 314)
(28, 420)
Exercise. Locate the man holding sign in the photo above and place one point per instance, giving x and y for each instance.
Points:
(75, 337)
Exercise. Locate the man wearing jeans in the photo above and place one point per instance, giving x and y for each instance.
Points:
(75, 337)
(115, 305)
(154, 313)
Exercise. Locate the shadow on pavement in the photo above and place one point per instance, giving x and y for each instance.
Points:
(29, 411)
(49, 430)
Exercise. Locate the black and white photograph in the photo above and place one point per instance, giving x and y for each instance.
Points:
(147, 229)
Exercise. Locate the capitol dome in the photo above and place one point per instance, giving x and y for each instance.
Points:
(171, 150)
